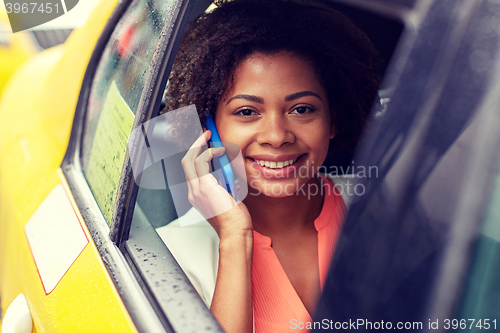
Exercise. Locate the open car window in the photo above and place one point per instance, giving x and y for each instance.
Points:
(155, 201)
(162, 186)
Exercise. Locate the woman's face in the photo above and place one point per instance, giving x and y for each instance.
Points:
(277, 112)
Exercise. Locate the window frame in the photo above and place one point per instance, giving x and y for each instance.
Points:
(135, 293)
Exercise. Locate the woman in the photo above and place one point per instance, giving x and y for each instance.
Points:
(288, 82)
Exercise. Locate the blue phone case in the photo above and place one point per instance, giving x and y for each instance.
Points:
(225, 167)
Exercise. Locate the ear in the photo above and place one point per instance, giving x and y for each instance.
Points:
(333, 131)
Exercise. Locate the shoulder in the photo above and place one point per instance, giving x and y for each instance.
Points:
(195, 245)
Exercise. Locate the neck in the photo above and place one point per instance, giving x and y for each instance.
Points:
(282, 216)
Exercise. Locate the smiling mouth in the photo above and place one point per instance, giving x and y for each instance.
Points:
(276, 165)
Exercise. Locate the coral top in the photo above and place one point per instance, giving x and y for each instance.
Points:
(277, 307)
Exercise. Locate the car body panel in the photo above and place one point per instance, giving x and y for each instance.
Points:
(32, 146)
(14, 49)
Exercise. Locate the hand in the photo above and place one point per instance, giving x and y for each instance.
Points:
(213, 201)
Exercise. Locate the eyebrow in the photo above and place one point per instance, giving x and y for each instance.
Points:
(251, 98)
(300, 94)
(288, 98)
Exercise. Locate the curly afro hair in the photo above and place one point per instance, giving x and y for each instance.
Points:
(344, 58)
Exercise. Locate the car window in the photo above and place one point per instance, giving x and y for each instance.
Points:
(156, 197)
(114, 97)
(162, 192)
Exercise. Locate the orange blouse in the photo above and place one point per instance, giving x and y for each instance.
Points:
(277, 307)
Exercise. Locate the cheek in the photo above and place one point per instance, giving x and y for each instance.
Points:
(319, 139)
(236, 134)
(234, 141)
(235, 147)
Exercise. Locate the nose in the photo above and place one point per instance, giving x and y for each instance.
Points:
(275, 131)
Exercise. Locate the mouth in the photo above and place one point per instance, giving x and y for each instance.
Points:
(276, 164)
(276, 167)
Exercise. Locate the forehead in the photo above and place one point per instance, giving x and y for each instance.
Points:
(283, 71)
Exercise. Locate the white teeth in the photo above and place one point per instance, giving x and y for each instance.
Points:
(274, 165)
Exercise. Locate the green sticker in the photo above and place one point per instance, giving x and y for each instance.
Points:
(108, 150)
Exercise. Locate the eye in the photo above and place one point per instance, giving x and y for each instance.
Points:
(245, 112)
(302, 110)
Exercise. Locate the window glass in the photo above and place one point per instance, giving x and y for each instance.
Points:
(160, 203)
(115, 95)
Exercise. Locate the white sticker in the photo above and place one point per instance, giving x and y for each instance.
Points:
(55, 237)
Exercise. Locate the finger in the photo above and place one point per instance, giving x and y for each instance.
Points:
(198, 145)
(216, 152)
(202, 162)
(208, 183)
(193, 152)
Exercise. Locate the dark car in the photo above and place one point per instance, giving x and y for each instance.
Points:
(420, 249)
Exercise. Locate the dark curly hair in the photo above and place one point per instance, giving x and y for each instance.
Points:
(344, 58)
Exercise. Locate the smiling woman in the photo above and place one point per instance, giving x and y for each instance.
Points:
(277, 112)
(288, 83)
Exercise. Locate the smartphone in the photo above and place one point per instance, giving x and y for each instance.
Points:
(221, 163)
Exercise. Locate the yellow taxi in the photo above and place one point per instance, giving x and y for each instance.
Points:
(79, 251)
(14, 49)
(57, 253)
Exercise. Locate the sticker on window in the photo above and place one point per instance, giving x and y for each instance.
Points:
(108, 150)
